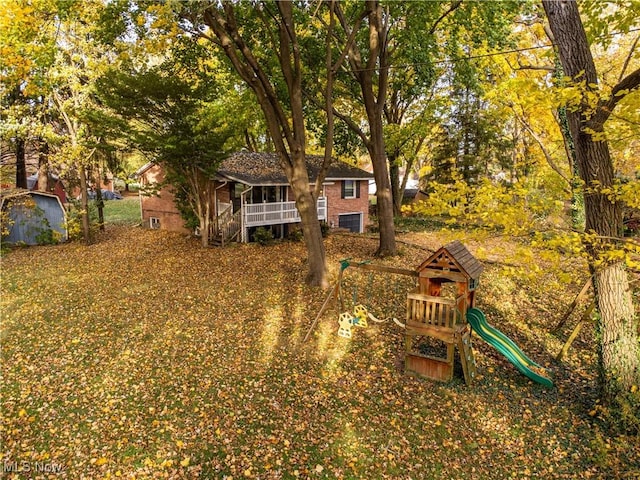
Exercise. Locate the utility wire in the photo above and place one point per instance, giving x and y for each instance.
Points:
(486, 55)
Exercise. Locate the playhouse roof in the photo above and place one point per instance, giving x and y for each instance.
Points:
(454, 256)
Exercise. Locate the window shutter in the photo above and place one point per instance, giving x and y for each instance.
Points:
(357, 187)
(342, 185)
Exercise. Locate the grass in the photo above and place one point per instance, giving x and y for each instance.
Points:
(123, 212)
(146, 356)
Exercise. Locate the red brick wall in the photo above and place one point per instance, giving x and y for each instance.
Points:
(338, 205)
(161, 206)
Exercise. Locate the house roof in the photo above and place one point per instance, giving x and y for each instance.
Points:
(32, 180)
(454, 256)
(253, 168)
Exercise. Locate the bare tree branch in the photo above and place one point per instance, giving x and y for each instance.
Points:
(628, 59)
(627, 84)
(544, 150)
(453, 7)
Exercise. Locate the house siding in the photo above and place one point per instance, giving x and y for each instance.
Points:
(161, 206)
(336, 205)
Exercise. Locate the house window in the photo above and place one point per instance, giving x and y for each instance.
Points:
(154, 223)
(349, 189)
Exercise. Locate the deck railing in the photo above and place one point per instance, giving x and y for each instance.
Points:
(274, 213)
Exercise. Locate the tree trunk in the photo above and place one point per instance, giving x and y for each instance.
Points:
(206, 199)
(384, 198)
(306, 205)
(396, 187)
(43, 167)
(84, 200)
(205, 226)
(619, 351)
(618, 331)
(99, 200)
(21, 164)
(100, 206)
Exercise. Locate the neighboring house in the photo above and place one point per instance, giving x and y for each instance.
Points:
(32, 218)
(55, 184)
(251, 191)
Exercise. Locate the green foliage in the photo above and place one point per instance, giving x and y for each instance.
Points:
(516, 209)
(5, 223)
(263, 236)
(47, 236)
(74, 220)
(295, 235)
(324, 229)
(176, 119)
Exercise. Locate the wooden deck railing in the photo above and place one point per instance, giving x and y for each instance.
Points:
(428, 310)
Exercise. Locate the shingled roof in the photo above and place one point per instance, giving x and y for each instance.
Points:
(253, 168)
(454, 256)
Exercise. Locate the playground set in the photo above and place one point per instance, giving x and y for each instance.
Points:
(440, 317)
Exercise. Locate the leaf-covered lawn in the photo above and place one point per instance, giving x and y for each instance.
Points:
(145, 356)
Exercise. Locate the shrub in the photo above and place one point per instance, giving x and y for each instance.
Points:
(295, 235)
(324, 228)
(74, 220)
(263, 236)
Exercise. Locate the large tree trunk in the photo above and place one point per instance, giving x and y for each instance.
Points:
(619, 351)
(21, 164)
(306, 205)
(384, 198)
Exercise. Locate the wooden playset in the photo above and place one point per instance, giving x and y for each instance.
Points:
(440, 315)
(431, 314)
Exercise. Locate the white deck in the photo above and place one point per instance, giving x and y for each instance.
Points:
(276, 213)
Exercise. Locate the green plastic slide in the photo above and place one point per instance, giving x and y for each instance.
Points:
(506, 347)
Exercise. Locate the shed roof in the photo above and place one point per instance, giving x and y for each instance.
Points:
(20, 192)
(454, 256)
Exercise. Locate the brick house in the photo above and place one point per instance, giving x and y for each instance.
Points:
(250, 190)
